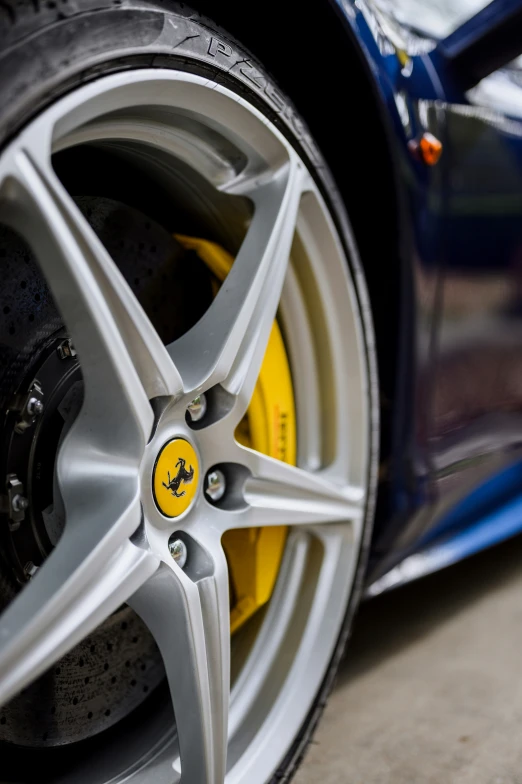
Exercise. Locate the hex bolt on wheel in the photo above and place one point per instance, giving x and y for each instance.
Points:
(19, 503)
(178, 551)
(35, 407)
(215, 485)
(197, 408)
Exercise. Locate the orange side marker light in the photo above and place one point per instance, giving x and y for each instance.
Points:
(428, 149)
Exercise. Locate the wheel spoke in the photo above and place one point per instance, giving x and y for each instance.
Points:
(188, 614)
(123, 361)
(76, 589)
(276, 493)
(236, 327)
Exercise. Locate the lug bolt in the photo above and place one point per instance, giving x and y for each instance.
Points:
(30, 569)
(66, 349)
(197, 408)
(178, 551)
(215, 485)
(34, 407)
(19, 503)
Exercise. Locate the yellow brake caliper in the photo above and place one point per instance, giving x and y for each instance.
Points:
(254, 554)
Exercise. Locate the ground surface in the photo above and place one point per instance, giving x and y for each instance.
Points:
(431, 691)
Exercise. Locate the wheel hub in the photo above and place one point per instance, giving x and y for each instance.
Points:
(31, 452)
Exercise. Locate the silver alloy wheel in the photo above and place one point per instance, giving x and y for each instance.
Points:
(115, 545)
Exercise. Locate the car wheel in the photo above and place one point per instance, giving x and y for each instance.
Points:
(188, 374)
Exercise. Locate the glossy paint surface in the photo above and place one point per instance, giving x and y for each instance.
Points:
(454, 470)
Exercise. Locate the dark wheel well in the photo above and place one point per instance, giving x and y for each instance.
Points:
(313, 54)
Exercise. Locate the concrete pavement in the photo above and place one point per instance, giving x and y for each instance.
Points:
(431, 689)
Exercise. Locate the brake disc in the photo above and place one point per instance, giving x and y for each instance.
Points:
(108, 675)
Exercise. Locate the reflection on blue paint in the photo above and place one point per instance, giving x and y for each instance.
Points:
(489, 515)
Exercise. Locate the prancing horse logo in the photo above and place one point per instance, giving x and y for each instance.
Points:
(182, 476)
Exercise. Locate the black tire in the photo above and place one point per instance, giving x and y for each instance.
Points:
(50, 48)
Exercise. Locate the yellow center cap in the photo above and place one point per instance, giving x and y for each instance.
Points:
(175, 477)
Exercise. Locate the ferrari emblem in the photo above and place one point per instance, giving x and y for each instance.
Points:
(182, 476)
(175, 477)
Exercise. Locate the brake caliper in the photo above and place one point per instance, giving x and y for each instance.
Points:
(254, 554)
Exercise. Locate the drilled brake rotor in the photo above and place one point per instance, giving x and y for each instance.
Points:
(112, 672)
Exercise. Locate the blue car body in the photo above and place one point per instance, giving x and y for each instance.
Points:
(452, 477)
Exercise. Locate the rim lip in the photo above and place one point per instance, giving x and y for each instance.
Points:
(291, 293)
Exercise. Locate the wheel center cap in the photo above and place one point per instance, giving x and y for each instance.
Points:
(175, 477)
